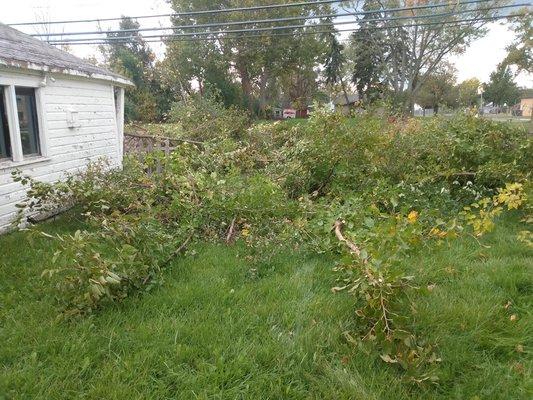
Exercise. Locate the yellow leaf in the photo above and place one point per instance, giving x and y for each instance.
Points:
(412, 217)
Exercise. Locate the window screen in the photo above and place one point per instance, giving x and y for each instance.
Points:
(5, 145)
(29, 127)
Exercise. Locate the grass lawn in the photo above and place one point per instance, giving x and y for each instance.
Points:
(223, 328)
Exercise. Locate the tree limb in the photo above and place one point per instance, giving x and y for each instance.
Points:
(354, 249)
(179, 250)
(231, 231)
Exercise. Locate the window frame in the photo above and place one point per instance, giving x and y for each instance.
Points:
(5, 128)
(31, 82)
(34, 128)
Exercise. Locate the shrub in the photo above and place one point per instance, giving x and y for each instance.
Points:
(205, 118)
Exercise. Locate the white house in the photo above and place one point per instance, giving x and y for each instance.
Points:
(57, 114)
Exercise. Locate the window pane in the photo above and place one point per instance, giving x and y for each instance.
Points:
(29, 128)
(5, 145)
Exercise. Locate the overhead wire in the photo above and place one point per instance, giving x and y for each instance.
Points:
(191, 13)
(274, 20)
(171, 39)
(278, 28)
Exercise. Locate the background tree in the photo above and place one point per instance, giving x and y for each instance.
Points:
(438, 90)
(501, 89)
(199, 66)
(132, 57)
(258, 62)
(367, 53)
(520, 52)
(467, 92)
(334, 65)
(411, 54)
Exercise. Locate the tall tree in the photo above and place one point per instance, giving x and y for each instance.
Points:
(501, 89)
(127, 53)
(438, 90)
(410, 51)
(256, 60)
(467, 92)
(334, 65)
(520, 52)
(368, 53)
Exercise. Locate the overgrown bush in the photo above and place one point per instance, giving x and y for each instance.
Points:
(205, 118)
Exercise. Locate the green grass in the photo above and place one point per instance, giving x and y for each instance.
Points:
(223, 328)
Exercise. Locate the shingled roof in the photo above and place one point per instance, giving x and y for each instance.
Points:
(20, 50)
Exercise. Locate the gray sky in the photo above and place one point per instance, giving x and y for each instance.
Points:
(479, 60)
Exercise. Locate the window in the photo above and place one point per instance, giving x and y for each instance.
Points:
(5, 145)
(20, 131)
(29, 127)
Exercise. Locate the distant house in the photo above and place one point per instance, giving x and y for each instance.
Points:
(289, 113)
(345, 105)
(57, 114)
(526, 106)
(277, 113)
(419, 111)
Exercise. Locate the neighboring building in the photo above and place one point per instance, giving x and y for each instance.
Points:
(57, 114)
(277, 113)
(341, 104)
(289, 113)
(419, 111)
(526, 106)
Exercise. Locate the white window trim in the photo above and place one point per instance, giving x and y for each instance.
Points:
(119, 120)
(10, 100)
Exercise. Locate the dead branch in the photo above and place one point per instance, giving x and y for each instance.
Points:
(449, 175)
(47, 215)
(137, 135)
(139, 127)
(354, 249)
(231, 231)
(178, 251)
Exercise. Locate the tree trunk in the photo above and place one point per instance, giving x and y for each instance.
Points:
(246, 82)
(346, 97)
(408, 105)
(263, 93)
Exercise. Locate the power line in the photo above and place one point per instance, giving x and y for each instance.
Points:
(171, 39)
(190, 13)
(274, 20)
(277, 28)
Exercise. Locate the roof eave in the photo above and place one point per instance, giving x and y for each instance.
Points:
(118, 80)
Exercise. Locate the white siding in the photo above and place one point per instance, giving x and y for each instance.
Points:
(67, 149)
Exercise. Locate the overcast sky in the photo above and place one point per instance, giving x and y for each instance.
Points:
(478, 61)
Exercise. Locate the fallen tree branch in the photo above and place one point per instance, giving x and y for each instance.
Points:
(354, 249)
(459, 174)
(47, 215)
(178, 251)
(231, 231)
(327, 179)
(171, 139)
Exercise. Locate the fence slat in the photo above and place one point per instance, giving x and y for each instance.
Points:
(139, 146)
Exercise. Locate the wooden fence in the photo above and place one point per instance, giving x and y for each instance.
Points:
(140, 144)
(152, 150)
